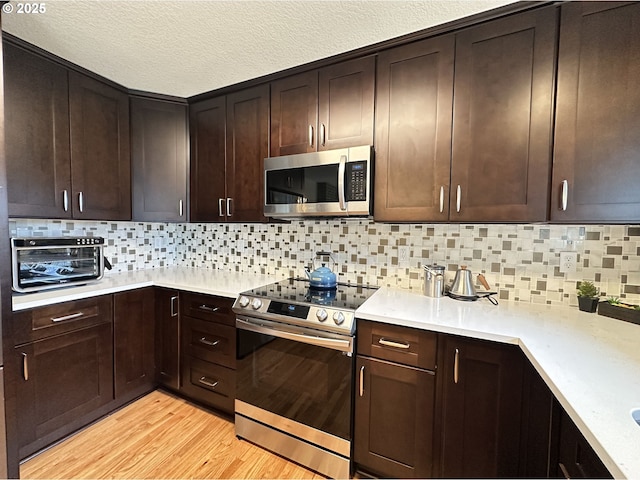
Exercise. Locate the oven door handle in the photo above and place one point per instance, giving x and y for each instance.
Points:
(332, 343)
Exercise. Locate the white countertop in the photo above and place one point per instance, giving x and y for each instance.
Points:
(591, 363)
(200, 280)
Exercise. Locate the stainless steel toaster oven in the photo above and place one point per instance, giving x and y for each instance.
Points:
(44, 263)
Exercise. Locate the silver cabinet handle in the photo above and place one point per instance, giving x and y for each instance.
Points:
(65, 200)
(565, 472)
(221, 207)
(341, 196)
(180, 208)
(323, 134)
(229, 213)
(311, 135)
(209, 342)
(204, 381)
(456, 364)
(174, 310)
(391, 343)
(81, 202)
(458, 198)
(362, 380)
(207, 308)
(25, 367)
(441, 199)
(67, 317)
(565, 195)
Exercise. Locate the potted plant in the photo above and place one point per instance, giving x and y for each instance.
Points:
(587, 297)
(614, 308)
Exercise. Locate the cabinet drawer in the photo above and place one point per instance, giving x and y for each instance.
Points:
(207, 307)
(408, 346)
(64, 317)
(209, 383)
(209, 341)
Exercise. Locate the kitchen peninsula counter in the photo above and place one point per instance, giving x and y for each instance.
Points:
(198, 280)
(591, 363)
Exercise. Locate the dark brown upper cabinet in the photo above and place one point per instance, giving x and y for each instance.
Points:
(413, 131)
(159, 160)
(36, 135)
(596, 169)
(502, 119)
(323, 109)
(100, 150)
(229, 141)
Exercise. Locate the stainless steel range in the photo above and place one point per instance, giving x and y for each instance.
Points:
(295, 369)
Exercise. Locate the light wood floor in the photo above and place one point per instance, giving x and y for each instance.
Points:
(160, 436)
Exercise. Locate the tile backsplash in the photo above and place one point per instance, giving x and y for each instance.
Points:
(521, 262)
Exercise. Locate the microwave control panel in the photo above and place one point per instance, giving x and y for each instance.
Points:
(356, 181)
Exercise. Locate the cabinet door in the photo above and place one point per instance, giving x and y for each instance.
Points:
(134, 319)
(100, 156)
(413, 131)
(598, 114)
(345, 104)
(207, 124)
(167, 338)
(294, 114)
(159, 160)
(481, 388)
(62, 378)
(36, 135)
(247, 146)
(502, 120)
(394, 415)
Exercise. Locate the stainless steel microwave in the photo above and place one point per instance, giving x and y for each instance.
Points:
(320, 184)
(44, 263)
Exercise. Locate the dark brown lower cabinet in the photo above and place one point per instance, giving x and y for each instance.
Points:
(133, 323)
(64, 380)
(167, 338)
(572, 456)
(394, 408)
(480, 386)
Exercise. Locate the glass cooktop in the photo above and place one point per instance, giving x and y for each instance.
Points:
(343, 297)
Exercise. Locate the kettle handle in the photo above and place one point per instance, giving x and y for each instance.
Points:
(325, 254)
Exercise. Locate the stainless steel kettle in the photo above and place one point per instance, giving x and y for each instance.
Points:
(463, 283)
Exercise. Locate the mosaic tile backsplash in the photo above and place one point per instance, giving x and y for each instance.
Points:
(521, 262)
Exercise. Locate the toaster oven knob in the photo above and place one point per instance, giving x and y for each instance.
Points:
(338, 317)
(322, 314)
(243, 301)
(256, 303)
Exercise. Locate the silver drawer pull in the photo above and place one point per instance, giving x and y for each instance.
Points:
(209, 342)
(390, 343)
(362, 381)
(25, 367)
(204, 381)
(67, 317)
(565, 195)
(456, 365)
(65, 200)
(208, 308)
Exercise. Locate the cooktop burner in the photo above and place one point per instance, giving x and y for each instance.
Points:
(344, 296)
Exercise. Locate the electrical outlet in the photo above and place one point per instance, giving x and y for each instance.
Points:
(568, 262)
(403, 254)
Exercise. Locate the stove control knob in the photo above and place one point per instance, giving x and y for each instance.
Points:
(243, 301)
(322, 315)
(256, 303)
(338, 317)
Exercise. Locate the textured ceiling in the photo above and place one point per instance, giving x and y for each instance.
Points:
(186, 47)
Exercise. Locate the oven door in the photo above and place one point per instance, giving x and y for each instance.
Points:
(296, 380)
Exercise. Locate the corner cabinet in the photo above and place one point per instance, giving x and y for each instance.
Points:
(229, 141)
(159, 160)
(323, 109)
(167, 338)
(480, 385)
(596, 164)
(100, 156)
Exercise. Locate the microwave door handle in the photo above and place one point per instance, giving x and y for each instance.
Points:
(341, 169)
